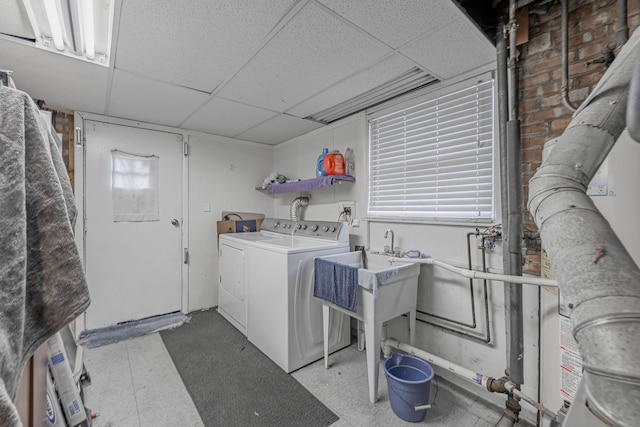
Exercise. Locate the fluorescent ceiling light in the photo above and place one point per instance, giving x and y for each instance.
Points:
(88, 28)
(405, 82)
(78, 28)
(51, 10)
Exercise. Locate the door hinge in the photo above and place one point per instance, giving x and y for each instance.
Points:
(186, 256)
(185, 146)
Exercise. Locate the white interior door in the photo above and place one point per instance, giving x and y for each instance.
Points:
(133, 268)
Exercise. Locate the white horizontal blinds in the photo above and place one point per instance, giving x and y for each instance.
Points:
(434, 159)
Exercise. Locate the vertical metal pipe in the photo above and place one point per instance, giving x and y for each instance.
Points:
(622, 32)
(564, 30)
(503, 111)
(513, 291)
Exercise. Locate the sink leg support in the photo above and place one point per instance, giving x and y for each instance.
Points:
(373, 336)
(412, 327)
(325, 334)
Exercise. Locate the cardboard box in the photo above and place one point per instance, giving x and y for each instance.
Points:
(233, 226)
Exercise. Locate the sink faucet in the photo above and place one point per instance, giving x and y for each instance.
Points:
(386, 233)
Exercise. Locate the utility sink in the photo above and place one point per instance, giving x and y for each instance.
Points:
(380, 273)
(385, 292)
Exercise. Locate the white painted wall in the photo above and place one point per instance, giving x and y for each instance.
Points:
(439, 293)
(223, 174)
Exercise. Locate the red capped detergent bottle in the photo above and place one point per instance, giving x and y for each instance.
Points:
(334, 163)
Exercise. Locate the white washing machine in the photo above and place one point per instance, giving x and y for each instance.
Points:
(266, 288)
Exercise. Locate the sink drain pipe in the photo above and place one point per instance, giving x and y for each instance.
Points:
(501, 385)
(474, 274)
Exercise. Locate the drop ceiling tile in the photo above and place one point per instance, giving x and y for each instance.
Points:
(138, 98)
(279, 129)
(353, 86)
(226, 118)
(395, 22)
(59, 80)
(313, 51)
(452, 50)
(196, 45)
(14, 20)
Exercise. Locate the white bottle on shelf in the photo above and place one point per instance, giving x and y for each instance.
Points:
(349, 162)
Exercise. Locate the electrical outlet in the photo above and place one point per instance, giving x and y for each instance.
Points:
(348, 209)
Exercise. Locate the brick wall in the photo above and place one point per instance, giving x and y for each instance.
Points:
(63, 124)
(592, 25)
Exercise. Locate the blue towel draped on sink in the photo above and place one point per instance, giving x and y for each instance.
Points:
(336, 283)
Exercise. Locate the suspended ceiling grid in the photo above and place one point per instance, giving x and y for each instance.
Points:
(251, 69)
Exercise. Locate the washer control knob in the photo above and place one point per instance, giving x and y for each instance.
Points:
(332, 229)
(299, 226)
(276, 225)
(314, 227)
(325, 228)
(304, 226)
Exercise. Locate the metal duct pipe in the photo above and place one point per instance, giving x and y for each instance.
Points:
(597, 276)
(633, 105)
(564, 30)
(296, 205)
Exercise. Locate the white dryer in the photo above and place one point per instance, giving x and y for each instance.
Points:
(232, 299)
(266, 288)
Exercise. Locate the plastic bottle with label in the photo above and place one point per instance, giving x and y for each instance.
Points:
(349, 162)
(320, 165)
(334, 163)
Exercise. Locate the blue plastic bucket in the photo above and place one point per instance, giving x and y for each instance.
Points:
(408, 382)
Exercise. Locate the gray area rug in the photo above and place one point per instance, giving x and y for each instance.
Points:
(232, 383)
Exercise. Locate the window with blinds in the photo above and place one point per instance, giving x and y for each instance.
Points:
(433, 158)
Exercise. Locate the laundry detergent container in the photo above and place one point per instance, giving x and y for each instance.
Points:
(408, 381)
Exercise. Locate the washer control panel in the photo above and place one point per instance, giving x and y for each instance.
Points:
(326, 230)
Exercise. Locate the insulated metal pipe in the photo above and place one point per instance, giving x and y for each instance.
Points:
(597, 276)
(503, 115)
(513, 237)
(513, 290)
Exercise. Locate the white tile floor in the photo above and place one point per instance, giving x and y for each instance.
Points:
(134, 383)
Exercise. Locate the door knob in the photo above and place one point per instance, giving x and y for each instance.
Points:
(175, 222)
